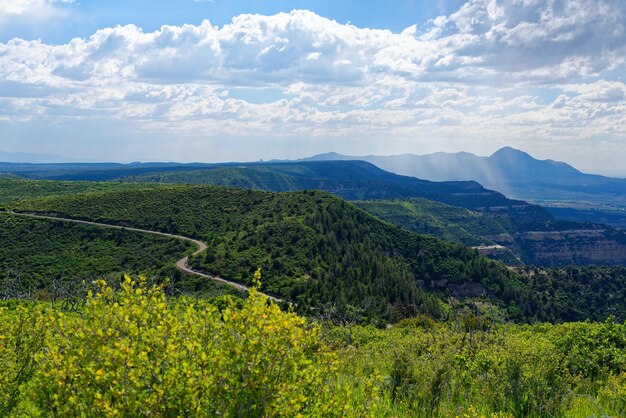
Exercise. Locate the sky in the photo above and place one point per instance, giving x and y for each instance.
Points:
(241, 80)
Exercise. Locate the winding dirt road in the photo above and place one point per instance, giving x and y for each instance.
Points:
(180, 264)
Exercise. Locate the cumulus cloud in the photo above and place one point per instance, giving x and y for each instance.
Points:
(488, 71)
(533, 41)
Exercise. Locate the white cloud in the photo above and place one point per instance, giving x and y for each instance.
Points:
(31, 9)
(482, 42)
(488, 72)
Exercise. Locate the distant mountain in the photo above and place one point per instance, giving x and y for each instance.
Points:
(351, 180)
(492, 218)
(509, 171)
(21, 157)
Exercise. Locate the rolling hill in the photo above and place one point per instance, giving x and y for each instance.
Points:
(316, 249)
(558, 243)
(35, 252)
(357, 180)
(447, 222)
(16, 189)
(353, 180)
(313, 247)
(462, 212)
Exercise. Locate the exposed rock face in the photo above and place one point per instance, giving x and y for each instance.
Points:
(559, 248)
(500, 253)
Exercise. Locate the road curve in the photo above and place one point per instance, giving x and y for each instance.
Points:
(180, 264)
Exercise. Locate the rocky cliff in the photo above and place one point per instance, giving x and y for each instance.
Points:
(560, 248)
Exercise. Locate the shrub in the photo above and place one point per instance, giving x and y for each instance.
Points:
(131, 353)
(22, 334)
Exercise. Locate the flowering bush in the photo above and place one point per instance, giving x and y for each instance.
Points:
(133, 353)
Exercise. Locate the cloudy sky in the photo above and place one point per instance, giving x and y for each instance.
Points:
(241, 80)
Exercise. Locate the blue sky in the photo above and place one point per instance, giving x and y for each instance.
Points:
(242, 80)
(87, 16)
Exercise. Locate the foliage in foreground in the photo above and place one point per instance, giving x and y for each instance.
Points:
(473, 368)
(133, 353)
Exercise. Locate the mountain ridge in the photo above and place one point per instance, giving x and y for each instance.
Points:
(510, 171)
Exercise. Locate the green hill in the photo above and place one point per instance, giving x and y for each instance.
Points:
(318, 250)
(313, 247)
(351, 180)
(558, 243)
(13, 190)
(36, 252)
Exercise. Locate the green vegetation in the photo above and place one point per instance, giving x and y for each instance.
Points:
(472, 367)
(447, 222)
(8, 176)
(133, 352)
(350, 180)
(278, 177)
(568, 292)
(317, 249)
(124, 349)
(37, 252)
(14, 190)
(314, 248)
(477, 228)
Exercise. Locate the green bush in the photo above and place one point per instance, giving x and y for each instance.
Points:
(22, 334)
(133, 353)
(450, 369)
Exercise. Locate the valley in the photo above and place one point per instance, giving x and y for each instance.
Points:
(458, 211)
(317, 249)
(178, 238)
(384, 268)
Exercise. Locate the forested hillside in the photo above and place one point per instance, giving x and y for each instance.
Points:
(447, 222)
(351, 180)
(34, 253)
(314, 249)
(13, 190)
(556, 243)
(568, 292)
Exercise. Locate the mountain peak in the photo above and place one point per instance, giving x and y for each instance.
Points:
(510, 152)
(525, 165)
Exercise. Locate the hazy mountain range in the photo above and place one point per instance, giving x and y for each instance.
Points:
(528, 231)
(512, 172)
(509, 171)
